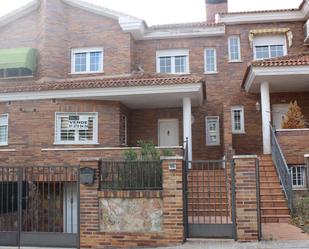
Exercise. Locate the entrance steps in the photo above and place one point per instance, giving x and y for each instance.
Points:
(274, 207)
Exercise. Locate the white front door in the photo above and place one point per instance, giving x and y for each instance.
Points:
(278, 114)
(168, 132)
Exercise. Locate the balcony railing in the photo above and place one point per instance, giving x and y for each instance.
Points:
(131, 175)
(282, 168)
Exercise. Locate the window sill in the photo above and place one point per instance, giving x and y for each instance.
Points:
(211, 72)
(4, 145)
(300, 188)
(92, 143)
(240, 61)
(101, 72)
(239, 133)
(213, 145)
(174, 73)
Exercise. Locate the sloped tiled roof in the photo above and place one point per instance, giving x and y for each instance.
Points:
(264, 11)
(290, 60)
(284, 61)
(74, 84)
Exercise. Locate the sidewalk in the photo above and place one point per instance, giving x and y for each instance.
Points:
(227, 244)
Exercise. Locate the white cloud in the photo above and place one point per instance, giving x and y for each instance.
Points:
(169, 11)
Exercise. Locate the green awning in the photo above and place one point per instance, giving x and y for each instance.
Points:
(18, 58)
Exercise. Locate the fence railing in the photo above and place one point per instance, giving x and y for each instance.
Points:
(130, 175)
(282, 168)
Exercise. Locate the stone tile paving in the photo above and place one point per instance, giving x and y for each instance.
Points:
(212, 244)
(283, 231)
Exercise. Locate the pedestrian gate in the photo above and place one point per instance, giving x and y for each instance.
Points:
(39, 206)
(209, 199)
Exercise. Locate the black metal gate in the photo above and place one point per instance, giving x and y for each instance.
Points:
(209, 191)
(39, 206)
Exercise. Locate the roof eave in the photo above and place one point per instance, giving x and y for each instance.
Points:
(300, 14)
(20, 12)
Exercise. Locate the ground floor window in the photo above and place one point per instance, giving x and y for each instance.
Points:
(212, 131)
(76, 128)
(124, 130)
(4, 129)
(298, 176)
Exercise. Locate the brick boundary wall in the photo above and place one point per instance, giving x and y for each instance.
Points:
(173, 226)
(246, 198)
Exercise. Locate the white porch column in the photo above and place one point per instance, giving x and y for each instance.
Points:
(187, 124)
(266, 115)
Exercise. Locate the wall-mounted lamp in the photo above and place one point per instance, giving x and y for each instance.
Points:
(258, 106)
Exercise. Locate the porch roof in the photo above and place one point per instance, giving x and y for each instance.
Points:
(135, 91)
(285, 74)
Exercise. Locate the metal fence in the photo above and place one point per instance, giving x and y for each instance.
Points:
(131, 175)
(282, 168)
(39, 206)
(209, 207)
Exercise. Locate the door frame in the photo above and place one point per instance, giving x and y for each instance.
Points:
(161, 120)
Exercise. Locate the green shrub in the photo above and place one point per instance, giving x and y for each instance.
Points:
(130, 155)
(148, 151)
(301, 214)
(168, 152)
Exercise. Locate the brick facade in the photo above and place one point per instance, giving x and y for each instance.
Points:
(246, 199)
(294, 145)
(173, 226)
(222, 89)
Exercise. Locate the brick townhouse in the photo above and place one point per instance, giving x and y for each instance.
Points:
(81, 81)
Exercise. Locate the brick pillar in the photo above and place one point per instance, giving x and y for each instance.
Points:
(173, 200)
(246, 198)
(89, 206)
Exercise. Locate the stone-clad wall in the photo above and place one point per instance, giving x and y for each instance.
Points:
(131, 211)
(172, 231)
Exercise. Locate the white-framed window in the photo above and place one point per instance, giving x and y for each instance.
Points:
(174, 61)
(87, 60)
(266, 47)
(298, 174)
(212, 131)
(76, 128)
(238, 119)
(124, 130)
(4, 129)
(210, 60)
(234, 49)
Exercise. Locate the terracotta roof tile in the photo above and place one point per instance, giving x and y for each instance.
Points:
(256, 11)
(264, 11)
(290, 60)
(67, 84)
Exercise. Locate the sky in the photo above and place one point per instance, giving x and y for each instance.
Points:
(159, 11)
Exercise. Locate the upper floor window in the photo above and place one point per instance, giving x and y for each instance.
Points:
(266, 47)
(238, 120)
(76, 128)
(212, 131)
(173, 61)
(298, 176)
(210, 60)
(4, 123)
(87, 60)
(234, 49)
